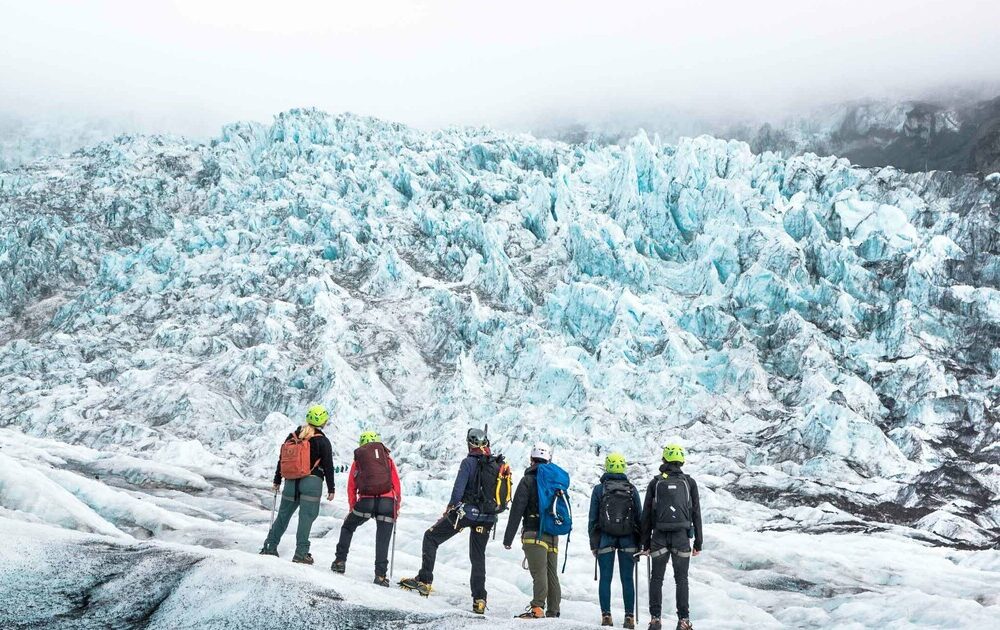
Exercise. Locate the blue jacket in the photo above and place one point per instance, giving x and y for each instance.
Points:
(600, 540)
(464, 487)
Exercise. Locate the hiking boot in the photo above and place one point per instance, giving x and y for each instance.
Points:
(267, 551)
(532, 612)
(684, 624)
(606, 620)
(654, 624)
(381, 580)
(629, 621)
(479, 606)
(413, 584)
(339, 566)
(306, 559)
(551, 614)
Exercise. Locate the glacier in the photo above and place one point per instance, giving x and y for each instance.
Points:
(822, 337)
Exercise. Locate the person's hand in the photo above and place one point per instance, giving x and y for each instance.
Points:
(275, 487)
(594, 551)
(506, 546)
(643, 552)
(695, 552)
(329, 496)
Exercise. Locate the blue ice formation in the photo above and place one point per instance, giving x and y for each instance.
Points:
(814, 331)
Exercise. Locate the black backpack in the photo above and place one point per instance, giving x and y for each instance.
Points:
(491, 489)
(672, 507)
(617, 508)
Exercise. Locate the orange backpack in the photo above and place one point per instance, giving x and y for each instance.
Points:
(294, 458)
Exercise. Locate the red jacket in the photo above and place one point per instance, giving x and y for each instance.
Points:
(352, 491)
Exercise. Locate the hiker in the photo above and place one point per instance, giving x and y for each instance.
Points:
(372, 493)
(615, 509)
(540, 550)
(671, 517)
(306, 459)
(481, 491)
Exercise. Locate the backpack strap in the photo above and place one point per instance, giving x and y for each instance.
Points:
(504, 476)
(473, 482)
(295, 439)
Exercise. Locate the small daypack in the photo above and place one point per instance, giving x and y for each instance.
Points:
(294, 459)
(618, 516)
(555, 516)
(373, 476)
(491, 489)
(672, 507)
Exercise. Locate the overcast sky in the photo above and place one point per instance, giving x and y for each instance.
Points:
(200, 63)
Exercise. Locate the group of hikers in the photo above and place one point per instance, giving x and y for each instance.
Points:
(663, 525)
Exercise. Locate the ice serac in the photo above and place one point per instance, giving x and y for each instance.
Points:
(820, 334)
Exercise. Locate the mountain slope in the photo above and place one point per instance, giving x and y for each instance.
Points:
(935, 134)
(958, 132)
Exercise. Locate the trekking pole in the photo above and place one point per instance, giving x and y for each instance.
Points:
(595, 566)
(392, 558)
(635, 586)
(274, 504)
(566, 555)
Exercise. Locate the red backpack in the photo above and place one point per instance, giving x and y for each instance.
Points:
(374, 474)
(295, 457)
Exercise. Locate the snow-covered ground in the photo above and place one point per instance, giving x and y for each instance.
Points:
(822, 337)
(175, 548)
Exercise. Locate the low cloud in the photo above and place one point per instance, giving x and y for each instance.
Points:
(189, 66)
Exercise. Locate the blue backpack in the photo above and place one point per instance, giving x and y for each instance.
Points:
(554, 511)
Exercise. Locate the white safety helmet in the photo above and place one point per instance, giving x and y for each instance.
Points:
(541, 450)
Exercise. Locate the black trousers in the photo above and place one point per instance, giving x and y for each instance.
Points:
(443, 530)
(664, 547)
(383, 509)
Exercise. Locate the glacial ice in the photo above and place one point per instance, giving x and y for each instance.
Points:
(822, 337)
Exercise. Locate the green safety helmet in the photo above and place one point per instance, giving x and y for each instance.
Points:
(673, 453)
(615, 463)
(368, 437)
(317, 415)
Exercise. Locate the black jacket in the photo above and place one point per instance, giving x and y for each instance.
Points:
(466, 483)
(646, 522)
(320, 450)
(524, 506)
